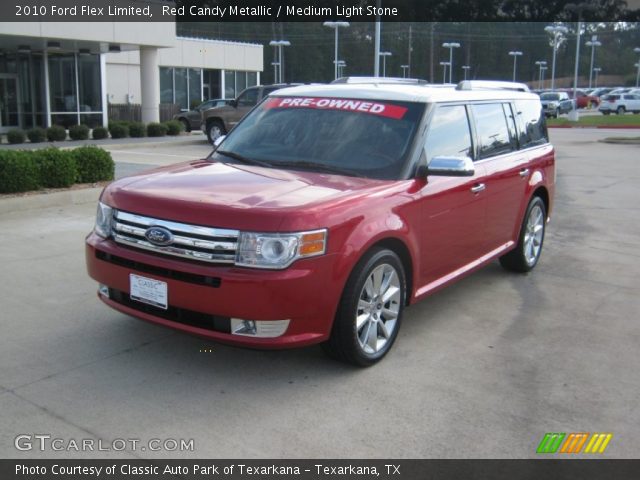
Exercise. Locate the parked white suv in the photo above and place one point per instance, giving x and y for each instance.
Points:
(620, 103)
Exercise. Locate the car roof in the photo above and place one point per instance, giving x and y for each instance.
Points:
(402, 92)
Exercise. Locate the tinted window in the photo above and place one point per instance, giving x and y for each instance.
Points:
(531, 123)
(248, 98)
(370, 138)
(491, 127)
(449, 133)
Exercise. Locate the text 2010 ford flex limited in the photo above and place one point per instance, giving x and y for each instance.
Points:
(326, 211)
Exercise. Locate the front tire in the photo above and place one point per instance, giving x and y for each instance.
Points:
(621, 111)
(186, 126)
(370, 311)
(215, 129)
(525, 256)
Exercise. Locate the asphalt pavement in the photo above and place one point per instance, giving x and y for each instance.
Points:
(482, 369)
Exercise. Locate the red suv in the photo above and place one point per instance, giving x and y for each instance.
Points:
(326, 211)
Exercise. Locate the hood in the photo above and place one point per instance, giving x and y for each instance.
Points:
(234, 196)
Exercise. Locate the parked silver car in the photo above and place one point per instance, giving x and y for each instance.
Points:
(555, 103)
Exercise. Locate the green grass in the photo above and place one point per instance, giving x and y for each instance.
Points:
(598, 121)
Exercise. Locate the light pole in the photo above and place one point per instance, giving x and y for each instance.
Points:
(444, 71)
(593, 43)
(336, 26)
(276, 65)
(404, 70)
(451, 46)
(542, 70)
(515, 54)
(466, 69)
(280, 44)
(596, 70)
(637, 50)
(384, 56)
(540, 64)
(556, 31)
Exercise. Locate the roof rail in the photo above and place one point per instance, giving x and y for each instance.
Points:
(380, 80)
(492, 85)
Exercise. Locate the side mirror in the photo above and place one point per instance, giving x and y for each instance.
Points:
(218, 141)
(233, 103)
(451, 167)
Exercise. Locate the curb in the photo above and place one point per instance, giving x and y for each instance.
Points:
(605, 127)
(190, 140)
(47, 200)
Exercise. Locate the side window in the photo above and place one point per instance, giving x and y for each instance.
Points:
(492, 130)
(531, 123)
(511, 125)
(449, 133)
(248, 98)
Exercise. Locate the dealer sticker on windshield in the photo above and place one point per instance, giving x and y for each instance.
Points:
(148, 290)
(349, 105)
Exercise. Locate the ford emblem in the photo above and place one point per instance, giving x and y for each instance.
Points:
(159, 236)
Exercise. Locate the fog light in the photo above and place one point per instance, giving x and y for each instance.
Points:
(259, 328)
(103, 290)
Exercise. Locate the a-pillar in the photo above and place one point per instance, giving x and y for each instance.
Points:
(150, 84)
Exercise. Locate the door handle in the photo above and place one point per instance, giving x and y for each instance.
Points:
(524, 172)
(477, 188)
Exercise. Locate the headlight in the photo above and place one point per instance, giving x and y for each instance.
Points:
(104, 218)
(278, 250)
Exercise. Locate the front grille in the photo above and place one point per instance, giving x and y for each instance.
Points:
(213, 245)
(160, 271)
(175, 314)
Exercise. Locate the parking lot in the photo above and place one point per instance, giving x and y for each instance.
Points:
(482, 369)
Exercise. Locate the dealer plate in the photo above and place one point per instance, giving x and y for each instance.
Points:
(148, 290)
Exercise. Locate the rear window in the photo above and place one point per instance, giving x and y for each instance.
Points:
(531, 123)
(369, 138)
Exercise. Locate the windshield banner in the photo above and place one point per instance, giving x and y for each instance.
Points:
(359, 106)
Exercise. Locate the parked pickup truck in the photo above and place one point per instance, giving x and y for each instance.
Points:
(218, 121)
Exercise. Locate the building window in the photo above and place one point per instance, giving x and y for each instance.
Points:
(62, 83)
(236, 81)
(75, 93)
(182, 86)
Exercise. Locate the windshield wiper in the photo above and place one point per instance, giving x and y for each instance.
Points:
(240, 158)
(319, 167)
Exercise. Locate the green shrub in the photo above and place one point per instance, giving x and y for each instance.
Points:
(99, 133)
(56, 133)
(18, 171)
(119, 130)
(174, 127)
(57, 167)
(137, 129)
(37, 135)
(156, 130)
(16, 136)
(93, 164)
(79, 132)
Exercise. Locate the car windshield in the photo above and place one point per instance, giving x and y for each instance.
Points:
(549, 96)
(334, 135)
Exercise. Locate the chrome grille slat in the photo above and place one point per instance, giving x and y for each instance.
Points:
(213, 245)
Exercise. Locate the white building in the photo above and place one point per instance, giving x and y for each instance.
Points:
(66, 73)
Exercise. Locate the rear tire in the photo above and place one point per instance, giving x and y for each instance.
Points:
(621, 111)
(370, 310)
(525, 256)
(185, 124)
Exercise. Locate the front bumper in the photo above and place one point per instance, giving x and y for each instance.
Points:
(203, 298)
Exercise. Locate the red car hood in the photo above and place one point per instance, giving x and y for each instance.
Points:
(236, 196)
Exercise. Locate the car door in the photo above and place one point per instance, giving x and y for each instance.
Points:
(244, 103)
(453, 208)
(507, 168)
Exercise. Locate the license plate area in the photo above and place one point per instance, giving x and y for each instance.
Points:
(148, 290)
